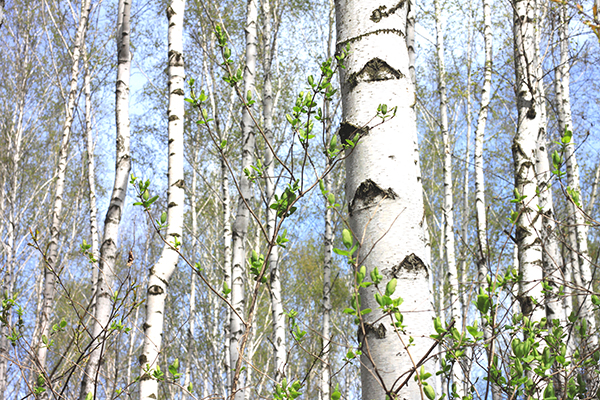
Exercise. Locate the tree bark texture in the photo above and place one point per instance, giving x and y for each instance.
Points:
(161, 272)
(242, 219)
(386, 207)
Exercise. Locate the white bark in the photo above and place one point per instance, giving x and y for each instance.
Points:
(551, 268)
(91, 183)
(386, 207)
(448, 206)
(240, 226)
(53, 263)
(278, 315)
(578, 230)
(529, 222)
(189, 351)
(108, 250)
(594, 191)
(160, 274)
(1, 13)
(325, 378)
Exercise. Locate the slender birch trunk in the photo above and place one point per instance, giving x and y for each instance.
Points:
(91, 183)
(386, 207)
(278, 315)
(15, 150)
(466, 209)
(480, 208)
(448, 207)
(594, 191)
(579, 253)
(550, 266)
(53, 263)
(189, 356)
(325, 378)
(242, 219)
(160, 274)
(108, 250)
(524, 147)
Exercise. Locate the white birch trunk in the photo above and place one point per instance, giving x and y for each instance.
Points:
(1, 13)
(594, 191)
(92, 184)
(53, 263)
(580, 254)
(448, 207)
(15, 144)
(325, 378)
(480, 208)
(278, 315)
(189, 356)
(386, 207)
(529, 221)
(108, 250)
(240, 226)
(550, 265)
(161, 272)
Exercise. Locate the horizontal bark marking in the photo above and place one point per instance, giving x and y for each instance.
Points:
(369, 194)
(411, 263)
(377, 331)
(374, 70)
(342, 45)
(380, 13)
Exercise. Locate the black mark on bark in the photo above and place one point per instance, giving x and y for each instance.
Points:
(368, 194)
(373, 71)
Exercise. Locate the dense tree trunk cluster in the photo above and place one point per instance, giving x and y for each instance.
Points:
(345, 132)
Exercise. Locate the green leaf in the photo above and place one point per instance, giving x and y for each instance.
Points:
(347, 238)
(437, 324)
(163, 217)
(390, 288)
(429, 392)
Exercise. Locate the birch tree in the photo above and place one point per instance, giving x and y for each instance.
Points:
(386, 207)
(242, 219)
(52, 267)
(106, 275)
(325, 382)
(278, 315)
(91, 171)
(580, 258)
(161, 272)
(527, 220)
(448, 207)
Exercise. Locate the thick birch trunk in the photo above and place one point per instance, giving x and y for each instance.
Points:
(240, 226)
(108, 249)
(278, 315)
(386, 207)
(529, 221)
(163, 269)
(578, 230)
(53, 264)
